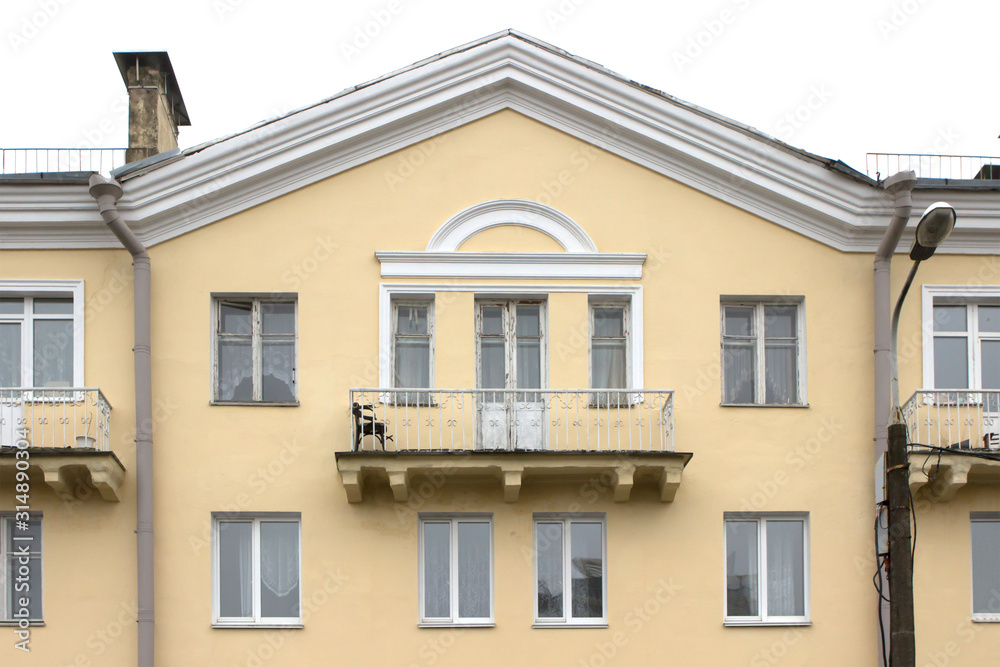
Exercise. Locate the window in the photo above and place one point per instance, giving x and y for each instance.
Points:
(413, 349)
(21, 574)
(966, 346)
(768, 331)
(41, 333)
(986, 566)
(255, 355)
(609, 341)
(570, 571)
(767, 569)
(256, 569)
(456, 570)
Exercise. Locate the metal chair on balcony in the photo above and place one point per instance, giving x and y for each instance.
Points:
(365, 424)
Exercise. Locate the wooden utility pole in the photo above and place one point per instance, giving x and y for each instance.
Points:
(902, 647)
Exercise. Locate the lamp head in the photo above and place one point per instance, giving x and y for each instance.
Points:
(934, 227)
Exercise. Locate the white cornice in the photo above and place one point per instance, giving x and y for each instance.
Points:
(695, 148)
(536, 265)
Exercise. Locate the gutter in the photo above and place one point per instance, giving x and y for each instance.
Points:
(107, 193)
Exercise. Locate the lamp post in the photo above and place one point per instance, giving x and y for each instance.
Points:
(934, 227)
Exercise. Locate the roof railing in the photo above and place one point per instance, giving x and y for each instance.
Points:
(51, 160)
(959, 167)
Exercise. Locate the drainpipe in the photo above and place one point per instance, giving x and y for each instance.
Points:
(107, 193)
(899, 187)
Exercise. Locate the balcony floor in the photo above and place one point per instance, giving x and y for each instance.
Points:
(940, 475)
(69, 471)
(624, 469)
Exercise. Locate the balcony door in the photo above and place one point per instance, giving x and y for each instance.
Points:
(510, 356)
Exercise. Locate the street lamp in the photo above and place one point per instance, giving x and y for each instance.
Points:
(934, 227)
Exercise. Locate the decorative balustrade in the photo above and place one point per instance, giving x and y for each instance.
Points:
(48, 160)
(954, 418)
(65, 418)
(578, 420)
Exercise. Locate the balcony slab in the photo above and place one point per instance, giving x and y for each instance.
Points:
(511, 470)
(939, 475)
(68, 471)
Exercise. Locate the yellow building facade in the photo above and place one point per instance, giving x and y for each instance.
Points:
(500, 358)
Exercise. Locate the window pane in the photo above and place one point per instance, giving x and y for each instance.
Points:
(529, 364)
(951, 363)
(609, 322)
(235, 569)
(779, 322)
(529, 320)
(473, 569)
(437, 566)
(34, 531)
(491, 375)
(34, 582)
(739, 361)
(608, 364)
(411, 320)
(9, 306)
(780, 373)
(991, 364)
(741, 568)
(986, 567)
(949, 318)
(587, 569)
(53, 353)
(492, 321)
(989, 319)
(277, 318)
(235, 371)
(279, 569)
(53, 306)
(739, 321)
(234, 318)
(785, 569)
(10, 354)
(278, 359)
(413, 362)
(549, 555)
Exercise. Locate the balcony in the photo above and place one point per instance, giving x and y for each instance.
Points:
(954, 438)
(621, 439)
(66, 434)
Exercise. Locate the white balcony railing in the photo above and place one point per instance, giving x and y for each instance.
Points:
(78, 418)
(954, 418)
(581, 420)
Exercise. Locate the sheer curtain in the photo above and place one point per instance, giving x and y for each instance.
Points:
(279, 569)
(785, 569)
(549, 556)
(473, 569)
(235, 569)
(741, 569)
(437, 568)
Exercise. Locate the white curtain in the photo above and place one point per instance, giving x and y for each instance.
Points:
(437, 568)
(785, 569)
(473, 569)
(279, 568)
(741, 568)
(780, 372)
(235, 569)
(549, 557)
(739, 364)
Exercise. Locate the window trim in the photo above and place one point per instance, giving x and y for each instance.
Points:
(6, 519)
(944, 295)
(980, 617)
(54, 289)
(567, 620)
(257, 621)
(453, 520)
(764, 619)
(758, 303)
(255, 298)
(428, 302)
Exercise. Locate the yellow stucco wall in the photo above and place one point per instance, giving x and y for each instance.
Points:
(360, 560)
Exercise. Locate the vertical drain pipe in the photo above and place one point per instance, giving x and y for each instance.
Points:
(107, 193)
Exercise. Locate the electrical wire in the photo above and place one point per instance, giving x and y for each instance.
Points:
(961, 452)
(877, 580)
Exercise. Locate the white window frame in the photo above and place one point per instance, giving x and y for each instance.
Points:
(981, 617)
(46, 289)
(256, 345)
(255, 621)
(759, 303)
(955, 295)
(427, 302)
(453, 520)
(592, 305)
(7, 520)
(763, 618)
(567, 620)
(632, 294)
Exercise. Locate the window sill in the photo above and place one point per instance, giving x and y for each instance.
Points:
(293, 404)
(986, 618)
(750, 624)
(764, 405)
(574, 626)
(259, 626)
(14, 624)
(458, 624)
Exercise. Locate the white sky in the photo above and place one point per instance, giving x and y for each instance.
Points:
(892, 76)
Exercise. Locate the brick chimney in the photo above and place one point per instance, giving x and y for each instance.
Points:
(155, 106)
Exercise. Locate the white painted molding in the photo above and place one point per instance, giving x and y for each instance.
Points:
(537, 265)
(511, 212)
(946, 294)
(389, 291)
